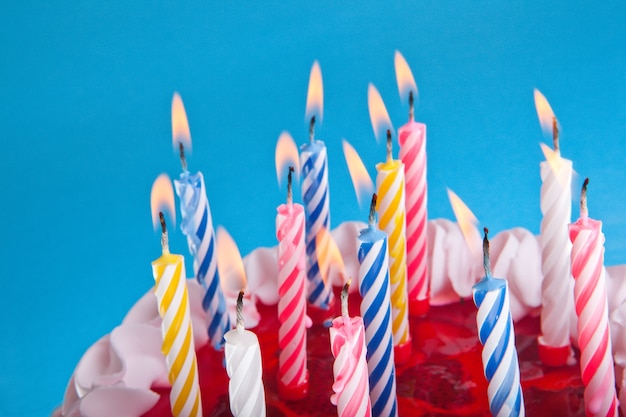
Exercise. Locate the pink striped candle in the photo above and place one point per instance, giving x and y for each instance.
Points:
(594, 338)
(293, 376)
(412, 140)
(347, 343)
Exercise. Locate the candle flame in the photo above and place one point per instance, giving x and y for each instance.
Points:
(331, 258)
(544, 112)
(404, 77)
(378, 113)
(229, 262)
(162, 200)
(361, 180)
(286, 156)
(466, 220)
(180, 126)
(315, 95)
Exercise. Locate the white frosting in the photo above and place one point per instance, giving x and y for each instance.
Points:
(126, 363)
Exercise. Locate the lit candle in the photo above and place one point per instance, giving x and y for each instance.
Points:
(556, 207)
(347, 342)
(315, 195)
(243, 364)
(594, 337)
(197, 225)
(496, 333)
(376, 312)
(172, 299)
(412, 140)
(293, 376)
(232, 276)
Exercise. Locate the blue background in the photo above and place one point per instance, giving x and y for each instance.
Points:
(85, 114)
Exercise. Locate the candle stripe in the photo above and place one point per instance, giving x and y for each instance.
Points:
(412, 139)
(499, 357)
(315, 196)
(197, 225)
(178, 345)
(376, 312)
(391, 209)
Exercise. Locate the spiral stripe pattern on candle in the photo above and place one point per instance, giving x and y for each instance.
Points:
(351, 386)
(197, 225)
(292, 366)
(245, 370)
(596, 359)
(556, 287)
(178, 345)
(391, 209)
(499, 356)
(315, 197)
(413, 155)
(376, 313)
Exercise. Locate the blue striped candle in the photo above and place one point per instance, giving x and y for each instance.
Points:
(197, 225)
(496, 333)
(317, 211)
(376, 312)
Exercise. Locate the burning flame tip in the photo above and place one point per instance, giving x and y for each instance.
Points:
(544, 112)
(465, 218)
(286, 155)
(229, 263)
(162, 199)
(315, 95)
(378, 113)
(180, 125)
(361, 180)
(404, 77)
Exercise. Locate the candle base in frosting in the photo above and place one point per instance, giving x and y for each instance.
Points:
(555, 356)
(418, 308)
(294, 392)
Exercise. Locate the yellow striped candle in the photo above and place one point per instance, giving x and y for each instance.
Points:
(178, 345)
(392, 220)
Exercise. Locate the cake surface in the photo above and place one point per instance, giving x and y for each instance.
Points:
(124, 373)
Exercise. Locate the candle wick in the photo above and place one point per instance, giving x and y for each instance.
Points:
(239, 311)
(372, 216)
(555, 134)
(389, 146)
(289, 186)
(411, 107)
(183, 159)
(165, 246)
(344, 299)
(486, 261)
(584, 210)
(312, 129)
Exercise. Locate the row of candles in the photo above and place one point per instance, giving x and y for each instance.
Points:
(393, 279)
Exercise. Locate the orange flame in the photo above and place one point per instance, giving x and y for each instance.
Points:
(363, 185)
(466, 220)
(332, 258)
(162, 199)
(544, 112)
(404, 77)
(315, 96)
(180, 126)
(378, 113)
(229, 262)
(286, 155)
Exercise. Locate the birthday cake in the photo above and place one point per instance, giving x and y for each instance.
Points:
(125, 374)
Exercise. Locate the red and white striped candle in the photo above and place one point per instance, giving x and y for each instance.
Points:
(293, 376)
(594, 338)
(412, 140)
(347, 343)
